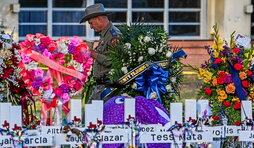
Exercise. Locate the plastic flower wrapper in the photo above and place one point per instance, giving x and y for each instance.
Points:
(227, 78)
(139, 44)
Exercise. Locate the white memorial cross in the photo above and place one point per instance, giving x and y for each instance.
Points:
(93, 112)
(129, 116)
(4, 113)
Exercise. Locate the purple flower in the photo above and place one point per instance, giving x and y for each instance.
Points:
(235, 60)
(228, 78)
(71, 49)
(225, 52)
(36, 84)
(40, 48)
(64, 88)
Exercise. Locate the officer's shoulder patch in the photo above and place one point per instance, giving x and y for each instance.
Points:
(113, 32)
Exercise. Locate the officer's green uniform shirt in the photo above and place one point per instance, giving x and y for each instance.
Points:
(101, 65)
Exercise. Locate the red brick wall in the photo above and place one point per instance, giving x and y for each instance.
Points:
(196, 53)
(195, 50)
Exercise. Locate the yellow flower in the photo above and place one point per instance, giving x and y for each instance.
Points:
(9, 62)
(205, 75)
(216, 54)
(236, 99)
(220, 92)
(222, 98)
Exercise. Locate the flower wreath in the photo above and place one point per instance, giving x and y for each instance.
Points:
(54, 71)
(228, 78)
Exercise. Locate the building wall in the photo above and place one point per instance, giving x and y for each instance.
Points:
(8, 18)
(230, 15)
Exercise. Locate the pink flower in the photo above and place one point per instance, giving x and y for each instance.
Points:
(65, 98)
(46, 53)
(29, 37)
(39, 35)
(47, 84)
(77, 86)
(58, 91)
(59, 58)
(46, 41)
(25, 58)
(83, 48)
(38, 73)
(75, 41)
(78, 57)
(26, 45)
(69, 81)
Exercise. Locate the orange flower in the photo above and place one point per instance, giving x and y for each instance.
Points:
(230, 88)
(242, 75)
(215, 82)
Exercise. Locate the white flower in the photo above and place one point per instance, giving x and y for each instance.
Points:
(134, 86)
(153, 95)
(125, 94)
(7, 46)
(48, 94)
(76, 65)
(173, 79)
(124, 69)
(62, 47)
(151, 51)
(31, 66)
(140, 59)
(169, 54)
(169, 88)
(128, 45)
(37, 42)
(147, 39)
(252, 61)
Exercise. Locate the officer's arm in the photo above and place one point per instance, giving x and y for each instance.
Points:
(100, 58)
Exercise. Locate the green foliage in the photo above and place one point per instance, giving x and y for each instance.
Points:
(140, 43)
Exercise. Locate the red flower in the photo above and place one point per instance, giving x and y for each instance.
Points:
(238, 66)
(226, 104)
(208, 91)
(236, 50)
(245, 84)
(218, 61)
(249, 73)
(237, 123)
(220, 80)
(215, 117)
(33, 126)
(222, 74)
(237, 105)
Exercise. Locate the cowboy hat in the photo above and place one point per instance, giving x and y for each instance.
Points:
(93, 11)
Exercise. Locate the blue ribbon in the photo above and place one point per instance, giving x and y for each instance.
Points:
(240, 92)
(153, 80)
(138, 71)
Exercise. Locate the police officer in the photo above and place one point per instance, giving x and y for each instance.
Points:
(99, 22)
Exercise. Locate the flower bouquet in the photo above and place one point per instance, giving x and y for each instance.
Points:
(228, 79)
(12, 87)
(143, 64)
(11, 83)
(54, 71)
